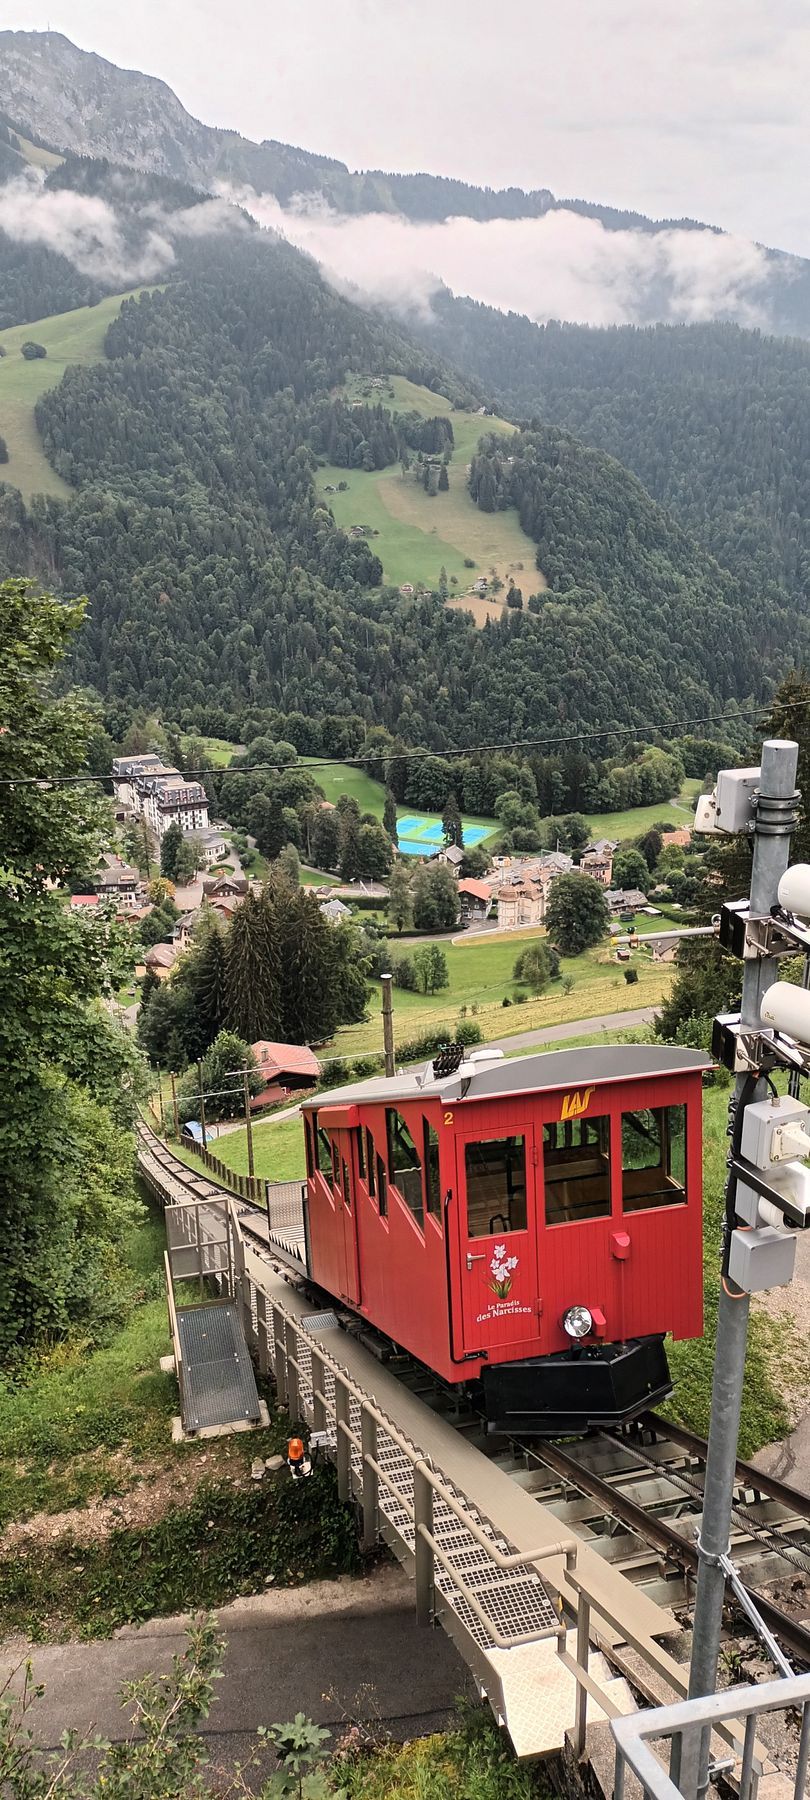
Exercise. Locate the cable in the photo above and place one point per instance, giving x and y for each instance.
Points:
(356, 762)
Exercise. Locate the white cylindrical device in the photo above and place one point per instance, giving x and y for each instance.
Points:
(794, 890)
(787, 1008)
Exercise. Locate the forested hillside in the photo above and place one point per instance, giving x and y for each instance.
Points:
(715, 421)
(218, 580)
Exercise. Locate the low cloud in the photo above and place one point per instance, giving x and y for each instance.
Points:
(560, 266)
(110, 244)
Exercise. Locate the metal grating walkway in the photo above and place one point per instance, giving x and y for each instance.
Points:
(219, 1386)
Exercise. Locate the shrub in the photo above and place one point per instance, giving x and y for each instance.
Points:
(631, 976)
(30, 350)
(464, 1032)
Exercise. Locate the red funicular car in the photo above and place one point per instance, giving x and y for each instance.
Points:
(532, 1226)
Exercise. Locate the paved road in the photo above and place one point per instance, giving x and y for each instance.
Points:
(334, 1650)
(556, 1034)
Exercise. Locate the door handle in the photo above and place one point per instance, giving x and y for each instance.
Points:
(472, 1259)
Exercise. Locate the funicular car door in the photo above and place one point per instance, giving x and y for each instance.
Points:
(347, 1196)
(580, 1241)
(495, 1188)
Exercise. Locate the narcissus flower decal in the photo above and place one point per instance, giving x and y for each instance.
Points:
(501, 1268)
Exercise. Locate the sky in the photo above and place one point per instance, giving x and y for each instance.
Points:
(674, 108)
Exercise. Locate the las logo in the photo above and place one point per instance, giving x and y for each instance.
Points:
(575, 1104)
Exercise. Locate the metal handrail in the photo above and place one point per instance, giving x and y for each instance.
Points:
(686, 1721)
(173, 1326)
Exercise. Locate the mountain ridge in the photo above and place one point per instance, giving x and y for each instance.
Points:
(137, 119)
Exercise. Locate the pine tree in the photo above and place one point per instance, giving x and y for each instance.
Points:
(350, 847)
(451, 822)
(171, 844)
(202, 978)
(326, 839)
(444, 480)
(308, 1002)
(253, 969)
(390, 815)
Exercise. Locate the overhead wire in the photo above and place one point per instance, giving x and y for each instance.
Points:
(563, 740)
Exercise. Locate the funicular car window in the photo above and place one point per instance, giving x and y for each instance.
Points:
(308, 1146)
(654, 1158)
(371, 1158)
(576, 1169)
(361, 1156)
(382, 1188)
(324, 1148)
(347, 1189)
(496, 1186)
(404, 1164)
(431, 1167)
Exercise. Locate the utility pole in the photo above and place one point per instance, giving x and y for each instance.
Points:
(202, 1104)
(249, 1125)
(176, 1115)
(774, 824)
(388, 1023)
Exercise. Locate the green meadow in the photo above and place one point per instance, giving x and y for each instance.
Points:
(418, 534)
(70, 337)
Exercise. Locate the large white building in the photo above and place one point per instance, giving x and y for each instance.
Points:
(161, 796)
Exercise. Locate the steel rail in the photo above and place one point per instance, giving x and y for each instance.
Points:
(747, 1473)
(661, 1536)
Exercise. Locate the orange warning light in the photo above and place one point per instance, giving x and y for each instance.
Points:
(295, 1450)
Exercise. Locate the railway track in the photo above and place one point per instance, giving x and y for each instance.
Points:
(635, 1494)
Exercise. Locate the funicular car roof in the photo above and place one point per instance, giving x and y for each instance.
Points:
(547, 1070)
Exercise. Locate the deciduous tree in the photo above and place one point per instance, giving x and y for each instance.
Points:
(577, 914)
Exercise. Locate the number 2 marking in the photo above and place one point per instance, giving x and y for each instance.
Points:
(448, 1118)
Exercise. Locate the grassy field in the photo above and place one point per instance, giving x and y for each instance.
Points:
(417, 533)
(218, 750)
(638, 819)
(71, 337)
(598, 988)
(342, 778)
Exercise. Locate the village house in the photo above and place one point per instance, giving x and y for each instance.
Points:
(664, 946)
(286, 1067)
(225, 887)
(678, 839)
(161, 958)
(118, 882)
(213, 844)
(626, 900)
(184, 929)
(554, 862)
(226, 907)
(335, 911)
(521, 903)
(599, 865)
(83, 902)
(450, 854)
(160, 795)
(475, 900)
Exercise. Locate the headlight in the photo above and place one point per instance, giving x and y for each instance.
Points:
(577, 1321)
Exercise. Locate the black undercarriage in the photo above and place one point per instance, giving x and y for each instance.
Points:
(577, 1390)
